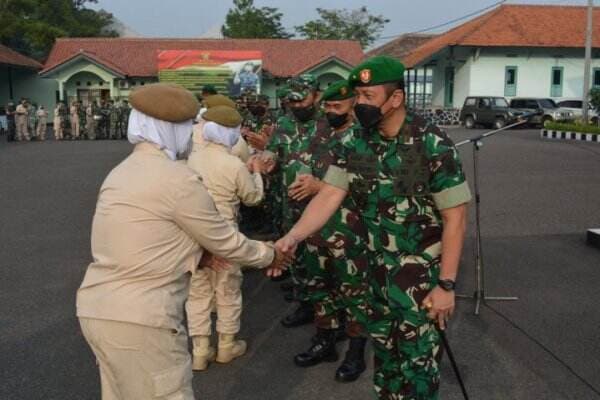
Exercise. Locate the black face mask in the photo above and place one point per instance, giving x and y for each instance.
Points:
(336, 120)
(303, 114)
(257, 111)
(368, 116)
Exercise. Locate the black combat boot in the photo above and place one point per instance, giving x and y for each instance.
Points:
(304, 314)
(354, 363)
(321, 351)
(340, 335)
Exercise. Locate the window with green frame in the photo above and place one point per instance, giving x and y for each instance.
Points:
(510, 81)
(596, 78)
(556, 83)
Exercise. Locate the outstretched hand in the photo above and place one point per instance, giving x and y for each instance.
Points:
(280, 262)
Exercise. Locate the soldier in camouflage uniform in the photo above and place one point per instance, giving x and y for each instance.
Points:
(113, 120)
(289, 145)
(283, 108)
(257, 129)
(81, 114)
(406, 178)
(336, 257)
(125, 110)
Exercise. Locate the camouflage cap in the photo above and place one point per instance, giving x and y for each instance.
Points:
(376, 71)
(339, 90)
(301, 86)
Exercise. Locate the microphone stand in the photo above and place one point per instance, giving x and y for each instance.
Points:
(479, 296)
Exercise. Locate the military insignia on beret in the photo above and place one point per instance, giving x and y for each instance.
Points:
(343, 90)
(365, 75)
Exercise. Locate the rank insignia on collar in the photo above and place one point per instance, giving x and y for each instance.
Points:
(365, 75)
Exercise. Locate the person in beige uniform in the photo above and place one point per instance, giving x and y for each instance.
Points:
(22, 113)
(154, 221)
(230, 182)
(59, 121)
(42, 123)
(74, 115)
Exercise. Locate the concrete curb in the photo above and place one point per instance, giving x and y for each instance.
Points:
(561, 135)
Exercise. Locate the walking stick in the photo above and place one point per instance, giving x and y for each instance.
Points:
(454, 365)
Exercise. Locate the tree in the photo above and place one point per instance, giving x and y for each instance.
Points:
(31, 26)
(247, 21)
(343, 24)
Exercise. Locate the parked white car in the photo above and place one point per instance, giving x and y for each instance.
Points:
(576, 107)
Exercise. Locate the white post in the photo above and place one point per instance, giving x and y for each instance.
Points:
(588, 60)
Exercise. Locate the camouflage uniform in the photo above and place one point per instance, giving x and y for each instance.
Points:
(290, 144)
(82, 118)
(399, 186)
(336, 257)
(125, 110)
(113, 120)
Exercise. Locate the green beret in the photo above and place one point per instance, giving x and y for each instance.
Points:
(209, 89)
(218, 100)
(165, 101)
(223, 115)
(339, 90)
(376, 71)
(301, 86)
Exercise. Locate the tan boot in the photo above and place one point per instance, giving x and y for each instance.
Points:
(202, 353)
(229, 348)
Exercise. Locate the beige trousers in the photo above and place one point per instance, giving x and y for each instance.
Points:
(220, 288)
(140, 362)
(58, 130)
(41, 129)
(22, 132)
(75, 127)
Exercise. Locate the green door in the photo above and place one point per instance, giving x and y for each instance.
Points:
(510, 81)
(449, 88)
(556, 88)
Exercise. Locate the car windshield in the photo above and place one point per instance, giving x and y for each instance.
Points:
(547, 103)
(500, 102)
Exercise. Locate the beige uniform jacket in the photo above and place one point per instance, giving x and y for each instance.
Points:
(153, 219)
(227, 178)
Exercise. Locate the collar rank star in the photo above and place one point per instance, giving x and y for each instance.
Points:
(365, 75)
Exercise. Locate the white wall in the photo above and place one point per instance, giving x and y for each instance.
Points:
(533, 73)
(484, 75)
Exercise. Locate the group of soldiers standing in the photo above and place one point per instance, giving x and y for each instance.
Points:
(384, 185)
(92, 121)
(25, 121)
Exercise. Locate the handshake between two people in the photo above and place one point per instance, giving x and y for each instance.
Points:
(284, 249)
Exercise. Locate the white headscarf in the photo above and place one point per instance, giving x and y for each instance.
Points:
(213, 132)
(174, 138)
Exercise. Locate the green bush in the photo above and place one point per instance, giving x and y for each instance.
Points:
(579, 128)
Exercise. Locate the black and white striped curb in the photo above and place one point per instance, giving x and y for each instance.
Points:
(561, 135)
(593, 237)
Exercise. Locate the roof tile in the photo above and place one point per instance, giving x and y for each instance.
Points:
(137, 56)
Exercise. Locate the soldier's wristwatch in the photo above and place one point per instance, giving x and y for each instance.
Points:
(447, 284)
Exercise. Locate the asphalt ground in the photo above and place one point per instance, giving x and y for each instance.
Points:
(538, 199)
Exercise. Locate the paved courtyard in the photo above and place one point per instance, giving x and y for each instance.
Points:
(538, 199)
